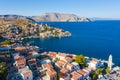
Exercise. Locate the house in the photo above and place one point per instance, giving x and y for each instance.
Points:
(44, 68)
(88, 70)
(23, 69)
(84, 74)
(45, 61)
(94, 63)
(52, 55)
(32, 54)
(60, 64)
(16, 57)
(64, 74)
(27, 75)
(75, 66)
(61, 56)
(32, 64)
(51, 74)
(69, 66)
(20, 49)
(47, 66)
(20, 63)
(75, 76)
(68, 59)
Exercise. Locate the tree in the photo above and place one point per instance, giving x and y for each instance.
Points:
(59, 75)
(6, 42)
(81, 60)
(57, 59)
(3, 70)
(107, 70)
(94, 75)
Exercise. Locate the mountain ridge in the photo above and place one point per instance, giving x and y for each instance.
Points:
(49, 17)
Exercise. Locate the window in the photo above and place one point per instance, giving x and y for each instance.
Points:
(27, 77)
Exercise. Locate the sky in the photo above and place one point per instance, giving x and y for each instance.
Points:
(87, 8)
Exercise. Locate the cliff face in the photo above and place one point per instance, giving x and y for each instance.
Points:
(49, 17)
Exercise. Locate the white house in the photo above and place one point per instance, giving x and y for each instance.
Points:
(27, 75)
(61, 56)
(69, 66)
(94, 63)
(75, 66)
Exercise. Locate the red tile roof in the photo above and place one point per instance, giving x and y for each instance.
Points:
(16, 57)
(52, 54)
(62, 54)
(20, 48)
(48, 65)
(70, 65)
(51, 72)
(61, 63)
(94, 60)
(75, 75)
(33, 60)
(27, 73)
(81, 72)
(21, 61)
(64, 70)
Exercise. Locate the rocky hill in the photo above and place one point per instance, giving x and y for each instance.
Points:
(16, 17)
(49, 17)
(57, 17)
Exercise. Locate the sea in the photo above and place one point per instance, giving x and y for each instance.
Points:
(97, 39)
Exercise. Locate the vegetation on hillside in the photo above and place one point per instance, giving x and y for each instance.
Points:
(81, 60)
(6, 42)
(17, 22)
(94, 75)
(3, 70)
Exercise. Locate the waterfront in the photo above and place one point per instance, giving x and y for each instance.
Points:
(94, 39)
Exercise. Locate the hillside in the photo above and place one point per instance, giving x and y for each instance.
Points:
(57, 17)
(49, 17)
(17, 22)
(16, 17)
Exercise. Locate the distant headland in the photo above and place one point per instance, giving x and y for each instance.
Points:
(49, 17)
(20, 28)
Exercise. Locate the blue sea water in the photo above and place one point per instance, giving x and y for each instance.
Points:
(96, 39)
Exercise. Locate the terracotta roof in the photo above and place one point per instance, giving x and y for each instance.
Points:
(52, 54)
(75, 75)
(94, 60)
(88, 69)
(59, 64)
(20, 48)
(48, 65)
(51, 72)
(33, 60)
(32, 53)
(64, 70)
(63, 62)
(70, 65)
(16, 57)
(68, 58)
(74, 57)
(21, 61)
(62, 54)
(27, 73)
(81, 72)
